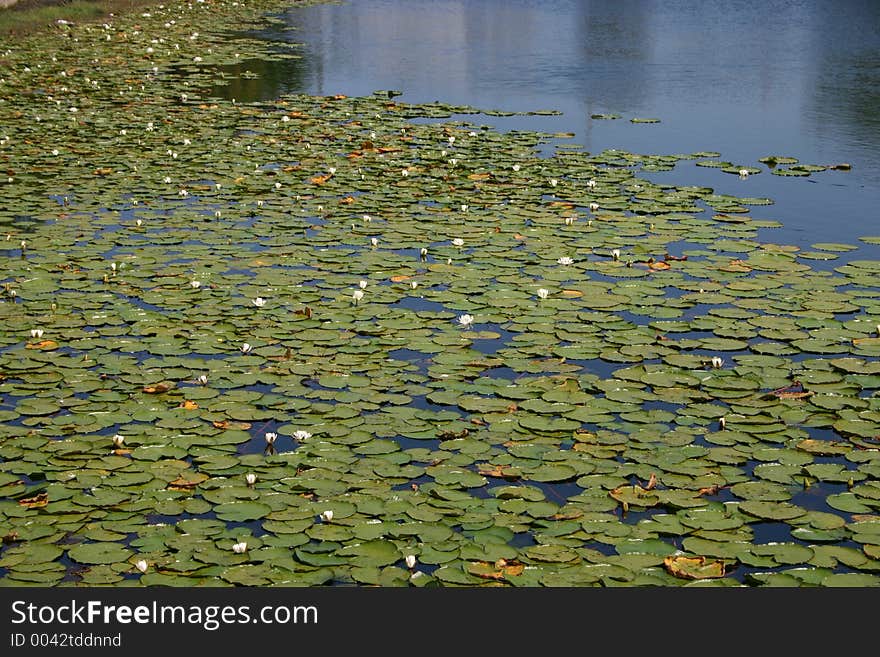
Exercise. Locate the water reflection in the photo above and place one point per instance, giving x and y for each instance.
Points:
(786, 77)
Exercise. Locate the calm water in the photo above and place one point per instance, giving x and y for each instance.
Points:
(782, 77)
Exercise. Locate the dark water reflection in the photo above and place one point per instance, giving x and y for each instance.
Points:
(781, 77)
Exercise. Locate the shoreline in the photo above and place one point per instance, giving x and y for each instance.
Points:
(23, 17)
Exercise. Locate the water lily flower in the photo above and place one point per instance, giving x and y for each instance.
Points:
(452, 139)
(113, 266)
(203, 379)
(327, 515)
(271, 437)
(410, 561)
(591, 183)
(404, 172)
(301, 435)
(594, 206)
(118, 440)
(743, 173)
(543, 292)
(569, 221)
(166, 180)
(458, 242)
(448, 261)
(37, 333)
(246, 348)
(367, 218)
(357, 296)
(722, 422)
(374, 241)
(362, 284)
(414, 284)
(141, 565)
(250, 478)
(565, 260)
(278, 185)
(260, 203)
(139, 222)
(259, 302)
(466, 320)
(423, 253)
(553, 182)
(465, 207)
(195, 284)
(516, 167)
(717, 362)
(453, 161)
(240, 548)
(615, 253)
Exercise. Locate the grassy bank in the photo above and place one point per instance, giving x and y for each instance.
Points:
(29, 16)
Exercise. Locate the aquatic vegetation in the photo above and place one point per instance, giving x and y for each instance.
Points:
(644, 424)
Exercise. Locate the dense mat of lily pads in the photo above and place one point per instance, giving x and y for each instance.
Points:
(315, 341)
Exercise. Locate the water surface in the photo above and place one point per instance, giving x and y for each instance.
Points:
(784, 77)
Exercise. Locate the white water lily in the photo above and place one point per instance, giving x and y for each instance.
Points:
(465, 207)
(543, 292)
(260, 203)
(278, 185)
(569, 221)
(37, 333)
(591, 183)
(374, 241)
(113, 266)
(246, 348)
(195, 284)
(615, 253)
(743, 173)
(250, 478)
(139, 223)
(516, 167)
(357, 296)
(717, 362)
(458, 242)
(452, 139)
(141, 565)
(410, 561)
(553, 182)
(259, 302)
(414, 284)
(362, 284)
(167, 180)
(466, 320)
(327, 515)
(118, 440)
(594, 206)
(183, 193)
(239, 548)
(301, 435)
(722, 422)
(271, 437)
(565, 260)
(367, 218)
(404, 172)
(203, 379)
(423, 253)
